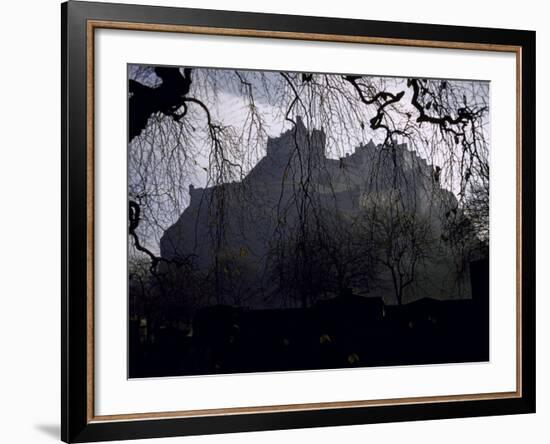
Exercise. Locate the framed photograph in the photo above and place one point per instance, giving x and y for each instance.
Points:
(276, 221)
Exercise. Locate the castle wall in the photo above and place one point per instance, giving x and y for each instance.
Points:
(270, 205)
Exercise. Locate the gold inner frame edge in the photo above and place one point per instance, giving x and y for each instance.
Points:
(233, 32)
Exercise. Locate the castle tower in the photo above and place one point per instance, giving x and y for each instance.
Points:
(311, 144)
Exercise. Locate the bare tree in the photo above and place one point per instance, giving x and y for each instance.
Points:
(403, 240)
(183, 131)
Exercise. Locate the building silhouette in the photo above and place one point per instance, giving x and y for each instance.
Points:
(297, 203)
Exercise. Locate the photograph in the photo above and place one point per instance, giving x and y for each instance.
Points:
(284, 221)
(263, 222)
(287, 220)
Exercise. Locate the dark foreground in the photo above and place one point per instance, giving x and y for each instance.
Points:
(347, 331)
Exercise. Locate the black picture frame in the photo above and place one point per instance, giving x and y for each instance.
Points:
(78, 423)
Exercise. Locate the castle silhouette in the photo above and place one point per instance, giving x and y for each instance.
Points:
(232, 229)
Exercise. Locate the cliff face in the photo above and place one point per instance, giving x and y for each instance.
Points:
(376, 221)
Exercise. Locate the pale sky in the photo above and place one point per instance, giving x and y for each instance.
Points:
(229, 107)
